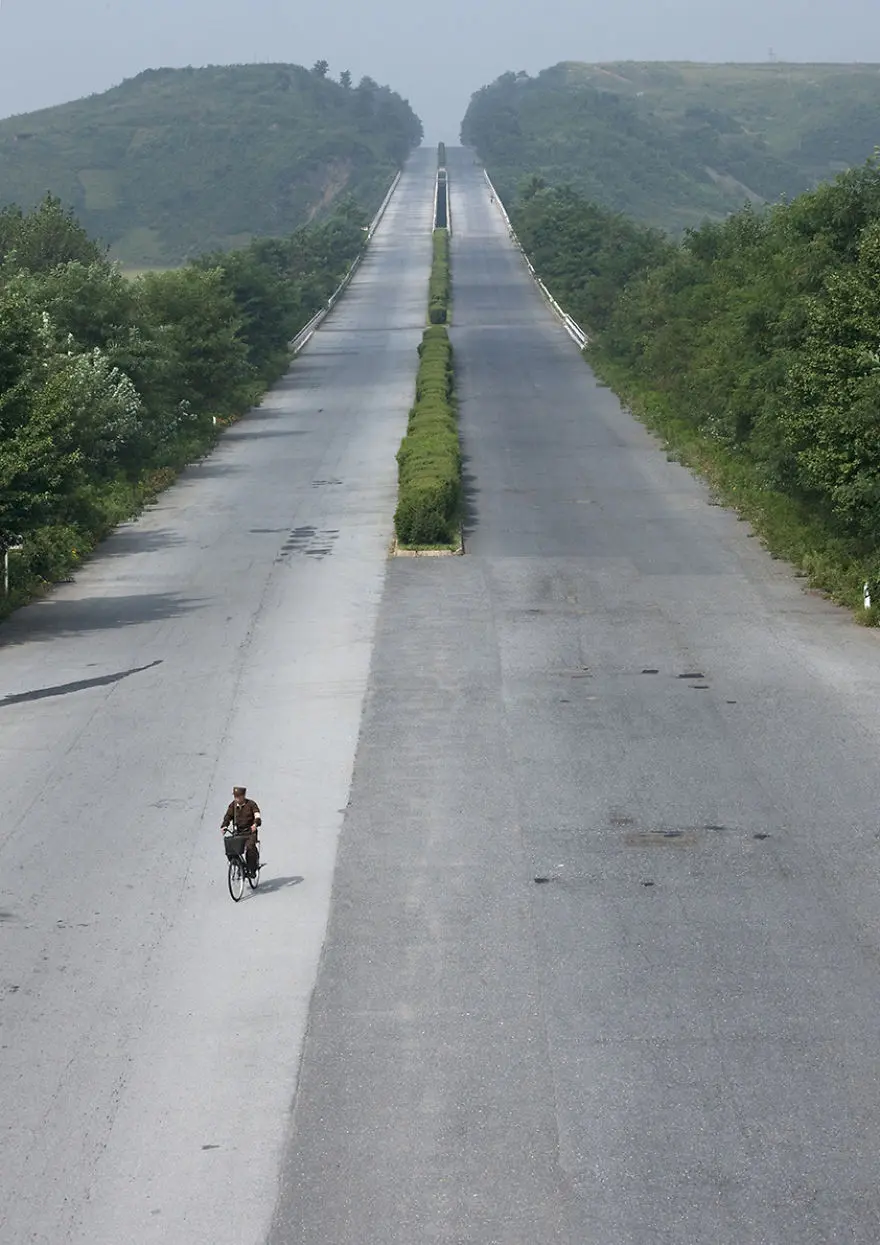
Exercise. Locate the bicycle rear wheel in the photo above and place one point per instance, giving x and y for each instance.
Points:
(236, 878)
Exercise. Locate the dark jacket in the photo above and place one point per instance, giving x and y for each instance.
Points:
(243, 815)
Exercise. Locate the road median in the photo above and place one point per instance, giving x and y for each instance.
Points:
(429, 505)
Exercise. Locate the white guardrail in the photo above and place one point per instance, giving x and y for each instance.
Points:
(305, 333)
(574, 330)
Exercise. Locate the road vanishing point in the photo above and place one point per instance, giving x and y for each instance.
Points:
(569, 926)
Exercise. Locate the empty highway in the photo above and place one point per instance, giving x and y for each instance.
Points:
(569, 931)
(604, 952)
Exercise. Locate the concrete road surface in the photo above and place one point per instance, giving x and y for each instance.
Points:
(603, 963)
(150, 1028)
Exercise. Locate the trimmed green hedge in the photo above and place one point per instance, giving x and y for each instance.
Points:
(440, 286)
(429, 458)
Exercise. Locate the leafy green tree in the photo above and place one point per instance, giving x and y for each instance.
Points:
(365, 94)
(531, 186)
(34, 470)
(585, 253)
(43, 239)
(320, 68)
(199, 320)
(61, 414)
(93, 307)
(265, 300)
(345, 79)
(91, 302)
(95, 403)
(831, 419)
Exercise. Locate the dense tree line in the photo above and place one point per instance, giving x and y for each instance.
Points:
(108, 385)
(582, 249)
(758, 337)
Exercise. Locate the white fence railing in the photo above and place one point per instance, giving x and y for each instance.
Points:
(305, 333)
(574, 330)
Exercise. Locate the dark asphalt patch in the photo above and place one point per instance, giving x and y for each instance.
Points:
(310, 541)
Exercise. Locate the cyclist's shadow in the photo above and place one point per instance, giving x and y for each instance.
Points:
(278, 884)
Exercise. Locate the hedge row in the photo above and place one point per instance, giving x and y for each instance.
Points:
(440, 286)
(429, 458)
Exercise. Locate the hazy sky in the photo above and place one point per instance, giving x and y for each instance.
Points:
(434, 55)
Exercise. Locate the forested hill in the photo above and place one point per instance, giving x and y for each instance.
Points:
(176, 162)
(672, 144)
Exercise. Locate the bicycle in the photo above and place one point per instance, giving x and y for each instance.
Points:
(238, 866)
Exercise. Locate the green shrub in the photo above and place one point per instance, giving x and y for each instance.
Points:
(429, 459)
(439, 287)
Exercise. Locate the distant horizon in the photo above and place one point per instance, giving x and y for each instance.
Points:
(55, 52)
(430, 139)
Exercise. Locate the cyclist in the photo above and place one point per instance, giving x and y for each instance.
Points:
(244, 817)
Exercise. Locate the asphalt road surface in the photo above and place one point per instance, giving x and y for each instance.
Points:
(150, 1028)
(603, 958)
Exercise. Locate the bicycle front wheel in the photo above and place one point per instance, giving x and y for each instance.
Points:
(236, 879)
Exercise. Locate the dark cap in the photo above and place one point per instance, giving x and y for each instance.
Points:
(239, 790)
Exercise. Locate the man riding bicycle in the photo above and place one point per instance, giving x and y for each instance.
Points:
(244, 817)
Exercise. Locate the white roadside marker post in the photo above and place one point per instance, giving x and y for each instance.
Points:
(15, 547)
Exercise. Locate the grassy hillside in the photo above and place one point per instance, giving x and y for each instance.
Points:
(176, 162)
(672, 144)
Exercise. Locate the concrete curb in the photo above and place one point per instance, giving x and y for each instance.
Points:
(397, 551)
